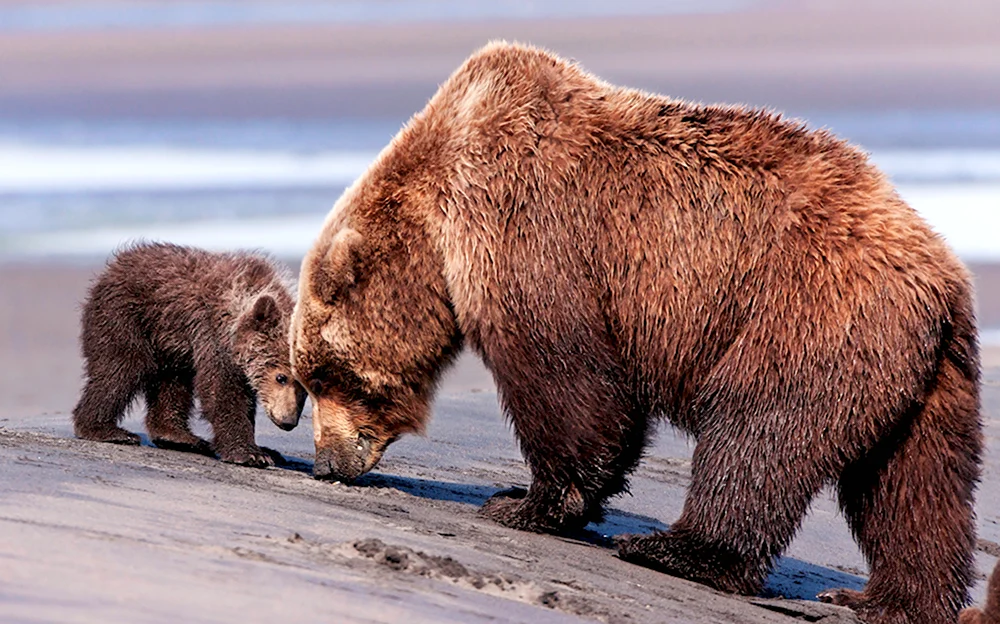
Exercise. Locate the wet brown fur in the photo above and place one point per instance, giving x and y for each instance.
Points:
(173, 322)
(989, 614)
(617, 257)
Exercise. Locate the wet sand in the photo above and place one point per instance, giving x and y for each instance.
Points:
(93, 532)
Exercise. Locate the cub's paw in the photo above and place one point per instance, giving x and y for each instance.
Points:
(116, 435)
(842, 597)
(252, 456)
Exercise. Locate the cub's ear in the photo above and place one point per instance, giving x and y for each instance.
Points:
(337, 271)
(264, 315)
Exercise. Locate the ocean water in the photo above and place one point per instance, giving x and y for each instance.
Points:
(75, 189)
(83, 188)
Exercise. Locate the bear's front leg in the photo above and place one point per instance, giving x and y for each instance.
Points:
(579, 437)
(688, 556)
(229, 405)
(527, 510)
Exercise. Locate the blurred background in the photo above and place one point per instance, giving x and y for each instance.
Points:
(237, 123)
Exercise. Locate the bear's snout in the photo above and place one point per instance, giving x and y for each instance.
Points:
(344, 463)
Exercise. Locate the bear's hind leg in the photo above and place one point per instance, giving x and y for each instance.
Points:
(169, 399)
(909, 503)
(749, 491)
(116, 368)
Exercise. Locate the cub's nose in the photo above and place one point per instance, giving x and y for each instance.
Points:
(288, 424)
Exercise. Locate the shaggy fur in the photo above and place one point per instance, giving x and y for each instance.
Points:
(617, 257)
(171, 322)
(990, 614)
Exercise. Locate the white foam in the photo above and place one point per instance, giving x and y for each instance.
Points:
(54, 169)
(939, 165)
(289, 236)
(967, 215)
(26, 168)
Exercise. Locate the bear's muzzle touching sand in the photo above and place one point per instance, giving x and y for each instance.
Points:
(345, 455)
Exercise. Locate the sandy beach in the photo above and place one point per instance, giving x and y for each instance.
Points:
(98, 533)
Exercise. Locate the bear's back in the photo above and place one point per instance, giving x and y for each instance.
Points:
(184, 297)
(688, 231)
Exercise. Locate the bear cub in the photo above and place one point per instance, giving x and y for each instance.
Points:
(990, 613)
(172, 322)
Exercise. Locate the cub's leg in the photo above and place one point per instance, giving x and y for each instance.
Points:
(118, 361)
(101, 407)
(169, 399)
(228, 404)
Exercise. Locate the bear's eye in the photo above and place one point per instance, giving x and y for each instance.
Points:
(281, 379)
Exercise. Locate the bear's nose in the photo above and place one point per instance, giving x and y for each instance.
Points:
(323, 470)
(283, 418)
(344, 463)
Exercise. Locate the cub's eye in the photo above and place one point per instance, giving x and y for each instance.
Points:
(281, 379)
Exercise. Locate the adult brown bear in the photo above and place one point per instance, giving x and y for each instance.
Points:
(617, 257)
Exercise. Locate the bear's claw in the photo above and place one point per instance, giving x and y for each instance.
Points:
(253, 457)
(841, 597)
(507, 507)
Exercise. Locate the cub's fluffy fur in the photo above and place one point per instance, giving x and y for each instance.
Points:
(171, 322)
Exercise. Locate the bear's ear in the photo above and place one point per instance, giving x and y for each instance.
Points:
(337, 271)
(264, 315)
